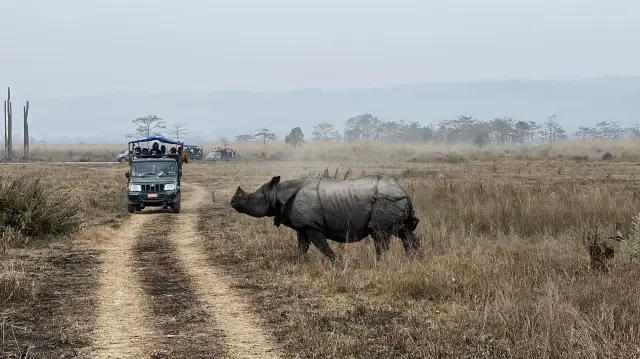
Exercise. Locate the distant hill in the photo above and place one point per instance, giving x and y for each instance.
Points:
(215, 114)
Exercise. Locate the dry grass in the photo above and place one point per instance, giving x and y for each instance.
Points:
(35, 269)
(64, 195)
(502, 273)
(42, 207)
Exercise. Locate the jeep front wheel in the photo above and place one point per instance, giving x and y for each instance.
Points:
(175, 206)
(131, 208)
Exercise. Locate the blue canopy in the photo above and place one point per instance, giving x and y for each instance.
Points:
(157, 138)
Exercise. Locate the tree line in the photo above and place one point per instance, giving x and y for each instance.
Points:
(500, 130)
(370, 128)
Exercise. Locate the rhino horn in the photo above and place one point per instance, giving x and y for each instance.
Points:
(274, 181)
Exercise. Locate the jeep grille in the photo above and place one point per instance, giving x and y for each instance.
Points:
(152, 188)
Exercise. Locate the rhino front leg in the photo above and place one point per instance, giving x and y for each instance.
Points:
(381, 242)
(318, 239)
(303, 244)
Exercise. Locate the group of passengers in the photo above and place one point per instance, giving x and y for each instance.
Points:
(226, 152)
(157, 150)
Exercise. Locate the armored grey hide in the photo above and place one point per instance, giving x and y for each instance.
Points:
(346, 210)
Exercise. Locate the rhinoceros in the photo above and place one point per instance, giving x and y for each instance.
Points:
(344, 211)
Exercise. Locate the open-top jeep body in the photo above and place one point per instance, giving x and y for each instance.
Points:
(195, 152)
(154, 178)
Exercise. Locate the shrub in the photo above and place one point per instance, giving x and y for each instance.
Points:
(607, 156)
(34, 208)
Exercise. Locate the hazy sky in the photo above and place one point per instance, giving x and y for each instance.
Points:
(84, 47)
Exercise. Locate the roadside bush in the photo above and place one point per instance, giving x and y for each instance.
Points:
(34, 208)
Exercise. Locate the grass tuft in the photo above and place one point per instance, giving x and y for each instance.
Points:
(35, 209)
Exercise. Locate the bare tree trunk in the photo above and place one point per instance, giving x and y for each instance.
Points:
(9, 125)
(25, 110)
(5, 128)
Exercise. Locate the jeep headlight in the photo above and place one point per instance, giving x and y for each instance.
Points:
(135, 188)
(170, 187)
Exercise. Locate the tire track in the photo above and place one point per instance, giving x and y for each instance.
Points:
(187, 329)
(243, 335)
(123, 327)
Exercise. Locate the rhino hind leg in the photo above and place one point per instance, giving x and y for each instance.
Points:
(381, 241)
(410, 241)
(320, 241)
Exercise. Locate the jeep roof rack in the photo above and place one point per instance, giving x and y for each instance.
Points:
(160, 139)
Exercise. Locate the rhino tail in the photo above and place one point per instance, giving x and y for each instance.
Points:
(412, 220)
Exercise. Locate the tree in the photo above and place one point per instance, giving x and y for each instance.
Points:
(583, 132)
(616, 131)
(244, 138)
(266, 136)
(148, 126)
(552, 131)
(522, 130)
(324, 132)
(179, 130)
(363, 127)
(413, 132)
(461, 129)
(224, 140)
(481, 139)
(603, 130)
(295, 138)
(503, 130)
(534, 128)
(634, 131)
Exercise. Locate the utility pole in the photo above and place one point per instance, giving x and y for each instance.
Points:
(44, 143)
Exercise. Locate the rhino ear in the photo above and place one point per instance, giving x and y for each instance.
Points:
(239, 190)
(274, 181)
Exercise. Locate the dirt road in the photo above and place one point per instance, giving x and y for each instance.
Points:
(159, 297)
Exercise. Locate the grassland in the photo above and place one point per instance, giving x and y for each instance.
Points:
(502, 273)
(622, 151)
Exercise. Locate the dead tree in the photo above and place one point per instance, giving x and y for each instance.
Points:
(5, 128)
(25, 110)
(9, 126)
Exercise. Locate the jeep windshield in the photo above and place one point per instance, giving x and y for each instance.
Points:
(159, 169)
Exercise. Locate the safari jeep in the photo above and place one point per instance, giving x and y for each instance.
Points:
(154, 179)
(154, 182)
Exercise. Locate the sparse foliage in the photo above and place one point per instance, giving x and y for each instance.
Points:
(224, 140)
(325, 131)
(551, 131)
(244, 138)
(150, 125)
(584, 132)
(265, 135)
(364, 127)
(179, 131)
(634, 131)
